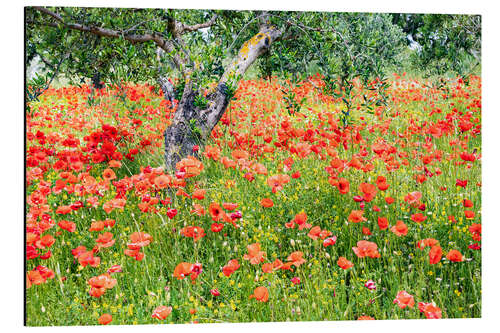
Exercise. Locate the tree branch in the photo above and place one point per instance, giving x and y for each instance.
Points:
(195, 27)
(247, 55)
(155, 37)
(56, 68)
(250, 51)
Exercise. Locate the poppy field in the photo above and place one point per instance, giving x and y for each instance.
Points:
(282, 216)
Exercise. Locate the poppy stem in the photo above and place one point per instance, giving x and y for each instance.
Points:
(347, 284)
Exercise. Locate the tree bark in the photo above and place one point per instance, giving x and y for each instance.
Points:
(181, 136)
(192, 126)
(168, 89)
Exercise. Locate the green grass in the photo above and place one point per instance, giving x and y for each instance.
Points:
(326, 292)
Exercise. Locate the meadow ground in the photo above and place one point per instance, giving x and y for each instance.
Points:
(284, 217)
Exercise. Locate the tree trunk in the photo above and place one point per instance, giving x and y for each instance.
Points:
(179, 143)
(168, 89)
(180, 137)
(193, 125)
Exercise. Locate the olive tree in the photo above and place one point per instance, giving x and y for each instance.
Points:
(443, 42)
(201, 47)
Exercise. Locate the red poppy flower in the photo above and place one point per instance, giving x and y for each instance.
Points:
(254, 255)
(343, 185)
(96, 226)
(418, 217)
(330, 241)
(403, 299)
(366, 231)
(382, 223)
(365, 318)
(467, 203)
(67, 225)
(413, 197)
(356, 216)
(314, 232)
(301, 220)
(215, 211)
(171, 212)
(426, 242)
(215, 292)
(267, 203)
(430, 310)
(400, 229)
(454, 256)
(105, 239)
(296, 258)
(63, 210)
(276, 182)
(369, 191)
(162, 312)
(366, 249)
(194, 232)
(216, 227)
(108, 174)
(469, 214)
(105, 319)
(198, 194)
(138, 240)
(343, 263)
(267, 267)
(435, 254)
(229, 206)
(261, 294)
(231, 267)
(115, 269)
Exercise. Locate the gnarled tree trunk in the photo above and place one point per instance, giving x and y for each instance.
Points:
(192, 126)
